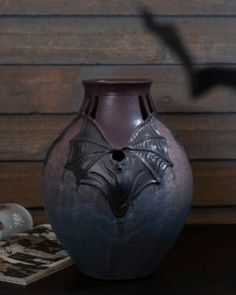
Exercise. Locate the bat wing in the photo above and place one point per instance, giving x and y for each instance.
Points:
(150, 148)
(120, 181)
(86, 148)
(144, 162)
(200, 80)
(169, 36)
(213, 76)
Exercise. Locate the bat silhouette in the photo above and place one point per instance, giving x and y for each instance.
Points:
(201, 80)
(142, 162)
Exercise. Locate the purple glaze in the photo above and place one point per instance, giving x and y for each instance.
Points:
(102, 244)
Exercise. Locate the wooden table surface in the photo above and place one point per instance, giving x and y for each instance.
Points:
(203, 261)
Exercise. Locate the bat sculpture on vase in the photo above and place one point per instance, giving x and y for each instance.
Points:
(117, 185)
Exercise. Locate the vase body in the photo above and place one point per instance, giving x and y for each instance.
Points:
(117, 185)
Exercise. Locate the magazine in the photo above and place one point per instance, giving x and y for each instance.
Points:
(30, 256)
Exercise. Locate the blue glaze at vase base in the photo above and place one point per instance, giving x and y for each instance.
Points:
(114, 223)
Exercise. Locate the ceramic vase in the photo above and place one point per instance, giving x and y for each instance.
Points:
(117, 185)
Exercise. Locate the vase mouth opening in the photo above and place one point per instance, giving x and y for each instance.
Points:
(117, 82)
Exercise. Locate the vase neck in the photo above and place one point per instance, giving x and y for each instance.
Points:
(118, 107)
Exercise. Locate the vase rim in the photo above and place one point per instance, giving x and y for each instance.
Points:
(117, 82)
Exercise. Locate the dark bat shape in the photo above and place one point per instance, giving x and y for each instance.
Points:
(120, 175)
(200, 80)
(210, 77)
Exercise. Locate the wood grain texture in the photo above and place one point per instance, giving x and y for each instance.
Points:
(197, 216)
(213, 216)
(116, 7)
(58, 89)
(39, 216)
(40, 89)
(21, 183)
(110, 40)
(28, 137)
(205, 136)
(214, 183)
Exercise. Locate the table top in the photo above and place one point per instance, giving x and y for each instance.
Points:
(203, 261)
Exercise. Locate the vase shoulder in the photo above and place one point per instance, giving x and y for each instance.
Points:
(118, 106)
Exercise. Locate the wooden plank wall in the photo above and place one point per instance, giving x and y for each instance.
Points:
(49, 47)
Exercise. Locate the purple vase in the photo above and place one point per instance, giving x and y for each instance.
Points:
(117, 185)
